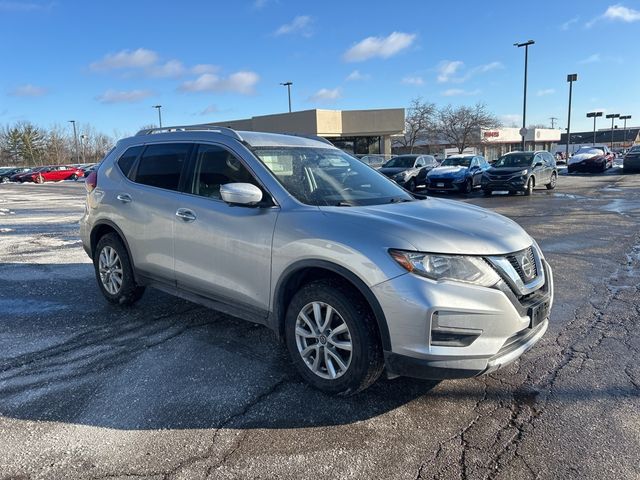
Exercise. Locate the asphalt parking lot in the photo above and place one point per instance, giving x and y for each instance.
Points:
(169, 389)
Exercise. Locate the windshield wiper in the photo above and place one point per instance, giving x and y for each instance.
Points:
(400, 200)
(344, 204)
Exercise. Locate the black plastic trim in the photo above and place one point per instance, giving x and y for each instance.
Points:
(405, 366)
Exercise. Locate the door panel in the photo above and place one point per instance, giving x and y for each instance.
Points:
(225, 252)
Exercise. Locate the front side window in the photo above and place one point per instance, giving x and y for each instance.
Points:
(214, 167)
(329, 177)
(161, 164)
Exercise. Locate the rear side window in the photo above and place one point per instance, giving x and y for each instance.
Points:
(125, 162)
(160, 165)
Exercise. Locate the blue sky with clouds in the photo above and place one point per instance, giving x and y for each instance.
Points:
(107, 63)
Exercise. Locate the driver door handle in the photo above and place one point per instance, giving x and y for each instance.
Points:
(186, 214)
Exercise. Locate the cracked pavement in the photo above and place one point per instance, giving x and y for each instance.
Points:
(171, 390)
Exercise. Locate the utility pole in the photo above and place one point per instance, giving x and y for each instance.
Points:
(75, 138)
(523, 130)
(612, 116)
(572, 77)
(288, 85)
(159, 108)
(594, 115)
(553, 121)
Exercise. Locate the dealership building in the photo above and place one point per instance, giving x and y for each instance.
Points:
(498, 141)
(359, 132)
(620, 137)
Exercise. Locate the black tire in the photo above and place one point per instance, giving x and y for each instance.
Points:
(5, 180)
(468, 186)
(570, 170)
(487, 193)
(39, 179)
(552, 184)
(129, 292)
(529, 189)
(411, 185)
(367, 361)
(73, 177)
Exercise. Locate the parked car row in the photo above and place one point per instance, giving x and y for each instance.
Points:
(48, 173)
(631, 161)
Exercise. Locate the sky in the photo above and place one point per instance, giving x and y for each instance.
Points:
(107, 63)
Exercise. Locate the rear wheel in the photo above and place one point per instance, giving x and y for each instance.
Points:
(552, 183)
(73, 177)
(5, 180)
(39, 179)
(114, 271)
(529, 189)
(332, 338)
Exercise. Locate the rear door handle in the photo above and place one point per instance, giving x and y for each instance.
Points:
(124, 197)
(186, 214)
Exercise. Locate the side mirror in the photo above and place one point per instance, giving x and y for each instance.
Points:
(240, 193)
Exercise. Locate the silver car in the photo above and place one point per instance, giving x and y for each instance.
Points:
(352, 273)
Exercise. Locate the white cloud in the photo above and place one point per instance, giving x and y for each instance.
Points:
(326, 95)
(130, 96)
(204, 68)
(511, 119)
(382, 47)
(545, 92)
(28, 90)
(209, 110)
(595, 58)
(413, 80)
(487, 67)
(239, 82)
(140, 58)
(8, 6)
(456, 92)
(300, 24)
(566, 25)
(172, 68)
(616, 13)
(622, 13)
(447, 69)
(357, 76)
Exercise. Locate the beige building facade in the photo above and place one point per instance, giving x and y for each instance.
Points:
(359, 132)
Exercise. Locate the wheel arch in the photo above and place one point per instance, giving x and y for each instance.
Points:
(304, 271)
(103, 227)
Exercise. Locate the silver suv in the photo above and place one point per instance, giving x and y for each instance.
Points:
(350, 270)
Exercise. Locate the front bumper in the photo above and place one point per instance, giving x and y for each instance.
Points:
(485, 328)
(446, 184)
(514, 184)
(587, 165)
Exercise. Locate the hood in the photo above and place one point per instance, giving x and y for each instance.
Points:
(452, 171)
(391, 171)
(581, 157)
(438, 226)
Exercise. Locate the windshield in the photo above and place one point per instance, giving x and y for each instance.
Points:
(635, 149)
(590, 151)
(326, 176)
(401, 162)
(514, 160)
(456, 161)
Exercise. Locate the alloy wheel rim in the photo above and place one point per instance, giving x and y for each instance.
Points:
(110, 269)
(323, 340)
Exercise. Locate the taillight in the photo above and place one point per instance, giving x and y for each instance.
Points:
(91, 182)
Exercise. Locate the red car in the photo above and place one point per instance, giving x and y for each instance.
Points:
(52, 173)
(597, 158)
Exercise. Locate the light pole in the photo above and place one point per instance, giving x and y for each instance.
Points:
(75, 137)
(523, 131)
(594, 115)
(288, 85)
(159, 108)
(612, 116)
(572, 77)
(625, 118)
(83, 142)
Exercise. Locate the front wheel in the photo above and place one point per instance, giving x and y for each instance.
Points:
(552, 183)
(5, 180)
(411, 186)
(529, 189)
(487, 193)
(39, 179)
(73, 177)
(468, 186)
(332, 337)
(114, 271)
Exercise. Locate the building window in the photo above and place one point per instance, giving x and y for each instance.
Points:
(358, 145)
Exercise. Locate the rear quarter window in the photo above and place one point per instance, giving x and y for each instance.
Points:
(128, 158)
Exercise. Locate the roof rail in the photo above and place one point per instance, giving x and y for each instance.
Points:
(192, 128)
(310, 137)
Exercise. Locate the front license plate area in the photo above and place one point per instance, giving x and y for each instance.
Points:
(538, 313)
(439, 184)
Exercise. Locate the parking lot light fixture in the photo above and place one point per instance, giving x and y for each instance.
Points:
(594, 115)
(625, 118)
(612, 116)
(523, 131)
(572, 77)
(288, 85)
(159, 108)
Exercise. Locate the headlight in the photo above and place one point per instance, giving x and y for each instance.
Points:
(402, 175)
(524, 172)
(457, 268)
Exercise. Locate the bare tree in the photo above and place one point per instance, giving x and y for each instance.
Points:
(462, 126)
(419, 122)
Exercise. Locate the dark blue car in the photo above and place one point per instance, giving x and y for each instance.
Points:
(458, 173)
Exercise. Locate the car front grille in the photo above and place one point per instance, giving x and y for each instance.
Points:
(516, 261)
